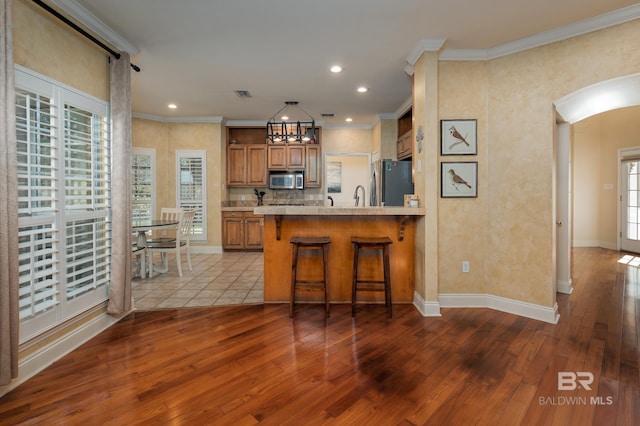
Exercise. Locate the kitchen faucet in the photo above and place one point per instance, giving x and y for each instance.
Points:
(355, 196)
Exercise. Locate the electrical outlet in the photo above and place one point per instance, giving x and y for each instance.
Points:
(244, 198)
(465, 266)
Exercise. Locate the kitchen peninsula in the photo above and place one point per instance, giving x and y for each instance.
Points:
(340, 224)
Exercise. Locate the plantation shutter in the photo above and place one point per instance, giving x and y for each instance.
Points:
(192, 193)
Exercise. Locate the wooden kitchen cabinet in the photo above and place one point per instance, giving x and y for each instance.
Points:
(253, 231)
(242, 230)
(286, 157)
(313, 175)
(246, 165)
(405, 124)
(404, 146)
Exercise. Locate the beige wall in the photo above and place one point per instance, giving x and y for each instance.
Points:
(507, 233)
(347, 140)
(596, 142)
(464, 221)
(167, 138)
(43, 44)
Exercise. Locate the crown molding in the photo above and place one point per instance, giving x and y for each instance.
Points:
(425, 45)
(165, 119)
(348, 126)
(406, 105)
(258, 123)
(596, 23)
(95, 25)
(387, 116)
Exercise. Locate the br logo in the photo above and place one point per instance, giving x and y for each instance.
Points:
(569, 380)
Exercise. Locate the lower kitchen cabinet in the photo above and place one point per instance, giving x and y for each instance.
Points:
(242, 230)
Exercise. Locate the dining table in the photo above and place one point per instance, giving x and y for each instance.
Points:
(142, 227)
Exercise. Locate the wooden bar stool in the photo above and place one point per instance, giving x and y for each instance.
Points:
(310, 243)
(382, 243)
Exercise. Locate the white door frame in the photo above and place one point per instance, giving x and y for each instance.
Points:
(623, 154)
(620, 92)
(564, 282)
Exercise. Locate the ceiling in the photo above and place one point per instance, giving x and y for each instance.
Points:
(195, 53)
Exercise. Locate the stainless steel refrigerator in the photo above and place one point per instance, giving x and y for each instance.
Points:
(390, 181)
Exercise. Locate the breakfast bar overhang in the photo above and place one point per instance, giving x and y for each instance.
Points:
(339, 224)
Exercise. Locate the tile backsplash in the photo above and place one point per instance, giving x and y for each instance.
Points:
(275, 197)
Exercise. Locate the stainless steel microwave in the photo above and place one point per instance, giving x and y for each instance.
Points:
(286, 180)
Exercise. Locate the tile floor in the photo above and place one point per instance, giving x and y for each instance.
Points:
(229, 278)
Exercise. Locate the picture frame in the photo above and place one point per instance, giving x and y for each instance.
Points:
(458, 137)
(459, 179)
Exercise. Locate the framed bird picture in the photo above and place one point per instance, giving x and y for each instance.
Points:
(458, 137)
(459, 179)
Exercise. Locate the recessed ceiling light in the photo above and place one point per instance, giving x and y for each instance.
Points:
(349, 119)
(336, 68)
(362, 89)
(284, 118)
(172, 106)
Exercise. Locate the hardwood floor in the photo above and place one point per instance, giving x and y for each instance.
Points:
(253, 364)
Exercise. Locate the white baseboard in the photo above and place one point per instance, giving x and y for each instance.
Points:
(427, 309)
(588, 243)
(47, 355)
(585, 243)
(565, 287)
(524, 309)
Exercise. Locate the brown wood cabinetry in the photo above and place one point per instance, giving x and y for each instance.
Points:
(246, 165)
(242, 230)
(405, 123)
(313, 175)
(286, 157)
(404, 146)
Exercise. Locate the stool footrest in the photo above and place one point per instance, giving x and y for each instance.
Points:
(371, 286)
(310, 283)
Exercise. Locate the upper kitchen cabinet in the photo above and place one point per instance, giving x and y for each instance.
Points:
(246, 157)
(312, 177)
(404, 136)
(286, 157)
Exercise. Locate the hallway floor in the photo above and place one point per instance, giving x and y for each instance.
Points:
(220, 279)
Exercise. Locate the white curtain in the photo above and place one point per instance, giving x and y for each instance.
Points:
(120, 286)
(9, 315)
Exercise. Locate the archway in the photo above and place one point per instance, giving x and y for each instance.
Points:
(591, 100)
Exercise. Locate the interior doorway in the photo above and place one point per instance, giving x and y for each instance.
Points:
(619, 93)
(343, 173)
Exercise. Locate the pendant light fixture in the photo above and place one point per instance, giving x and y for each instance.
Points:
(285, 131)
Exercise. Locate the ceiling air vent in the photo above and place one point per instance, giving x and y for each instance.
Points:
(242, 93)
(328, 114)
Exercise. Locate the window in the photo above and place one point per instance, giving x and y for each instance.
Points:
(143, 191)
(64, 196)
(191, 187)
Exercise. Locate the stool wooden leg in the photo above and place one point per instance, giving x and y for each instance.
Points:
(294, 269)
(387, 281)
(354, 284)
(325, 266)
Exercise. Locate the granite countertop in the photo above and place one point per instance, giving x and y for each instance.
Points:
(339, 211)
(238, 208)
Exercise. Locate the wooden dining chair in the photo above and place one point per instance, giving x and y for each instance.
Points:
(181, 242)
(167, 234)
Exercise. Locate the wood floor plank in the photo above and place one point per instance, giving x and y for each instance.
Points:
(246, 365)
